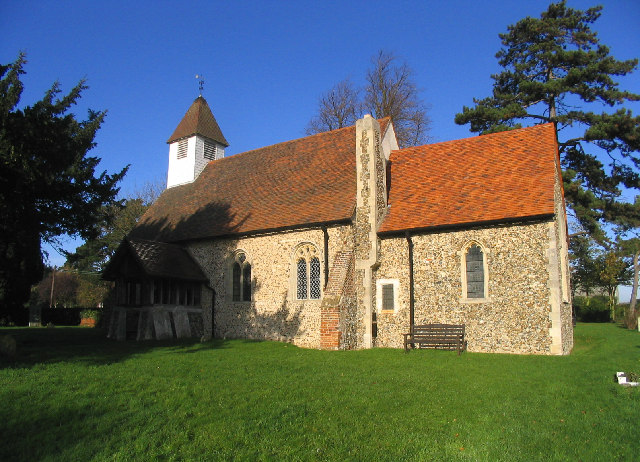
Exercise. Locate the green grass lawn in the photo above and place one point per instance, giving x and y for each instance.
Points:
(71, 394)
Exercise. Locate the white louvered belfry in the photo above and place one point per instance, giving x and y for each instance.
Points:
(196, 141)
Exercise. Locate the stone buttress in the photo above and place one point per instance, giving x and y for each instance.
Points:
(370, 210)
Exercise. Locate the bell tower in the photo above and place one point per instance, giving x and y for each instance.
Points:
(196, 141)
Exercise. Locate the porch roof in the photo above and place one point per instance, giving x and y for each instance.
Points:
(155, 259)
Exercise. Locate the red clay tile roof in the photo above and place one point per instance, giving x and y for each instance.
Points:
(199, 120)
(507, 175)
(304, 182)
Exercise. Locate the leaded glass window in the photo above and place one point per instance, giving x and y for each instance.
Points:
(314, 278)
(475, 272)
(302, 279)
(307, 272)
(246, 282)
(240, 278)
(237, 276)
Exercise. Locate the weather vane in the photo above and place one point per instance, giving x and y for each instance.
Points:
(201, 82)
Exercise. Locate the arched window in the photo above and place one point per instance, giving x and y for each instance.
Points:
(307, 273)
(246, 282)
(240, 278)
(302, 279)
(474, 273)
(314, 278)
(237, 278)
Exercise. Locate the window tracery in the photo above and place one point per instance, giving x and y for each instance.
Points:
(240, 278)
(307, 273)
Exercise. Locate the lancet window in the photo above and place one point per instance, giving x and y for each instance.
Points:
(240, 278)
(307, 273)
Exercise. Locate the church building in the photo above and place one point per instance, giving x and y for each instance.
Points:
(341, 240)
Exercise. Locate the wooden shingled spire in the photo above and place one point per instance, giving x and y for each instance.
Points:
(199, 120)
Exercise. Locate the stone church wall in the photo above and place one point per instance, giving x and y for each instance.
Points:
(562, 252)
(273, 313)
(514, 317)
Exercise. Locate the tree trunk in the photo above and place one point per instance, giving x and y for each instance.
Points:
(632, 317)
(611, 291)
(552, 100)
(53, 281)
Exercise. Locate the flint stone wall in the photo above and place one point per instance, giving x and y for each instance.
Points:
(515, 317)
(273, 313)
(562, 249)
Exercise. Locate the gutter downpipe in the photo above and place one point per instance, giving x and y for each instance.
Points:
(326, 256)
(411, 293)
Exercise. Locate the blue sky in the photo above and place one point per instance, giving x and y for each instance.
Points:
(265, 63)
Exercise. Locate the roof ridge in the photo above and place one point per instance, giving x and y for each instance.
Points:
(282, 143)
(476, 137)
(243, 154)
(150, 241)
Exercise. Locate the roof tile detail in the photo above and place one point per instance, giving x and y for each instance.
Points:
(199, 120)
(312, 181)
(303, 182)
(506, 175)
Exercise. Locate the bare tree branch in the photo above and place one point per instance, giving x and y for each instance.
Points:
(339, 107)
(391, 92)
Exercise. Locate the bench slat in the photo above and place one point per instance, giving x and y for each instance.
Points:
(439, 336)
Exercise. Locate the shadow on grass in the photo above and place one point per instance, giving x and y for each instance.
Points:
(59, 433)
(37, 345)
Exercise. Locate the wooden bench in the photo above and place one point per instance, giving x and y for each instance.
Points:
(439, 336)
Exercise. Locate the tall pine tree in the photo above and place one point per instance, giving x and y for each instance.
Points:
(554, 66)
(48, 182)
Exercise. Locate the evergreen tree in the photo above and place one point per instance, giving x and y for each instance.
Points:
(585, 273)
(119, 219)
(554, 66)
(48, 183)
(90, 259)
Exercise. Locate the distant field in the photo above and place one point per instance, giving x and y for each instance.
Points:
(71, 394)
